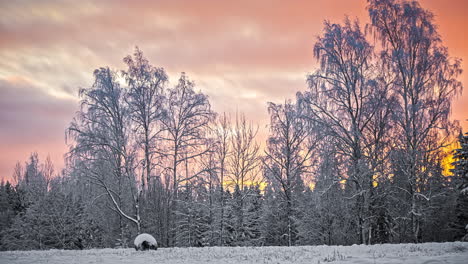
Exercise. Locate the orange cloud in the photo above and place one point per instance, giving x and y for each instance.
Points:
(241, 53)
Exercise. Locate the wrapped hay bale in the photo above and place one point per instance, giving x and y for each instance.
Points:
(145, 242)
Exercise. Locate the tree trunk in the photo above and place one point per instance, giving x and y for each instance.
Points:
(221, 236)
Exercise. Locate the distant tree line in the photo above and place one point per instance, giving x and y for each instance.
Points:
(358, 158)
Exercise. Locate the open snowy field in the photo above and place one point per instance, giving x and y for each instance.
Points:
(429, 253)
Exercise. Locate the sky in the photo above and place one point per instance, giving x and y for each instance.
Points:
(242, 54)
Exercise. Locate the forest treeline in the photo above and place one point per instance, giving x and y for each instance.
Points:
(357, 158)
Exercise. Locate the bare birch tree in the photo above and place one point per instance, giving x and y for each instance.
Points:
(185, 125)
(425, 82)
(287, 157)
(145, 101)
(101, 146)
(244, 171)
(223, 132)
(341, 102)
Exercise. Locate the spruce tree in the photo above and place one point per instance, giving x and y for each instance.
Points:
(461, 178)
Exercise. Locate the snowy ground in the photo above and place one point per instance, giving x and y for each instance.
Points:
(429, 253)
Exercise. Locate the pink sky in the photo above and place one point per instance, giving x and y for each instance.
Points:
(241, 53)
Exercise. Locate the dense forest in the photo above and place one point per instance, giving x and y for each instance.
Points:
(366, 154)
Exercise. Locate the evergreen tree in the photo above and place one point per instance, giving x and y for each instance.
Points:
(270, 228)
(57, 221)
(253, 216)
(10, 207)
(461, 178)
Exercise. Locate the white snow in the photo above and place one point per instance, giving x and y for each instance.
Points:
(465, 191)
(145, 237)
(453, 252)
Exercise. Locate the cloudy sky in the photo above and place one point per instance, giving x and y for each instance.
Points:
(241, 53)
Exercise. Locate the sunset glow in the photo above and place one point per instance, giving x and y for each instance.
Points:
(242, 54)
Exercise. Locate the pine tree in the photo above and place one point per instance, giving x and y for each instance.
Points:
(10, 207)
(253, 217)
(271, 232)
(461, 178)
(56, 221)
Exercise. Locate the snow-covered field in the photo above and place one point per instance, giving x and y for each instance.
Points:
(429, 253)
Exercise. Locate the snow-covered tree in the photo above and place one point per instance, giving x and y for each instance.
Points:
(222, 131)
(145, 97)
(460, 172)
(185, 127)
(287, 157)
(56, 221)
(424, 82)
(343, 99)
(243, 163)
(101, 145)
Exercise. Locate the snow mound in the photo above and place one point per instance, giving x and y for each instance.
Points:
(145, 241)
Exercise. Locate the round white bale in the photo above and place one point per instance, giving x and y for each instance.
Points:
(145, 237)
